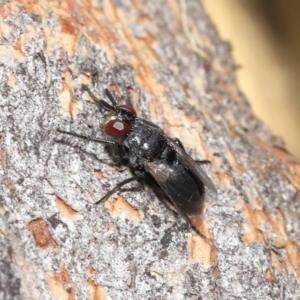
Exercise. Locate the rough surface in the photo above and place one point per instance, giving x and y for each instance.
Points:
(168, 61)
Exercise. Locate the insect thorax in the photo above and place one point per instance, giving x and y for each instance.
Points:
(145, 142)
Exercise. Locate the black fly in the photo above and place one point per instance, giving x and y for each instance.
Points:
(153, 153)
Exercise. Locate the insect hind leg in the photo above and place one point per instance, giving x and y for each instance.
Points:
(202, 162)
(179, 143)
(188, 220)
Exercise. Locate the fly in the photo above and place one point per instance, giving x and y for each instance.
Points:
(153, 153)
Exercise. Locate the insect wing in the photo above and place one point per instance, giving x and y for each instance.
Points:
(181, 188)
(193, 167)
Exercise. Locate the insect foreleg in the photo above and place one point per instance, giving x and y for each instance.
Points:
(100, 102)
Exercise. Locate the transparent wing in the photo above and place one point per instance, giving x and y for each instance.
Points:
(193, 166)
(181, 188)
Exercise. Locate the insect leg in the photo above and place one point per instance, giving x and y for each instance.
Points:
(202, 162)
(178, 142)
(187, 219)
(119, 185)
(111, 97)
(87, 89)
(100, 102)
(88, 137)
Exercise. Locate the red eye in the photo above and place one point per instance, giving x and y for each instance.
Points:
(129, 108)
(116, 128)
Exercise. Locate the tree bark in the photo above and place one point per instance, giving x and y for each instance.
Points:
(166, 59)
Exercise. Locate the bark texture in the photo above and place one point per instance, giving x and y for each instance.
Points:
(164, 57)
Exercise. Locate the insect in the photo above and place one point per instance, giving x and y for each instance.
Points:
(153, 153)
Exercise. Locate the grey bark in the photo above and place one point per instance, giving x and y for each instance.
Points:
(54, 243)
